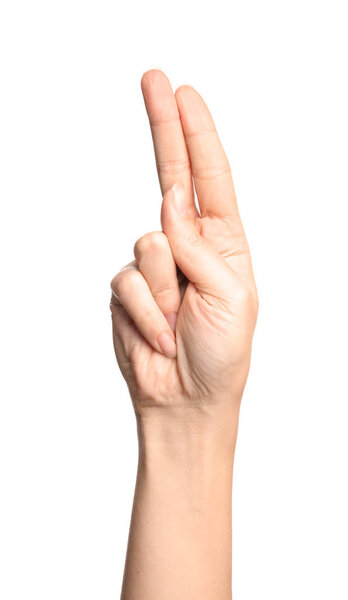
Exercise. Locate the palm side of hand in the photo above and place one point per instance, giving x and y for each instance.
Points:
(217, 310)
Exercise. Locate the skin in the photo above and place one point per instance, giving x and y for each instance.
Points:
(184, 312)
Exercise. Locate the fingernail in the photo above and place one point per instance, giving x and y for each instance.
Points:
(171, 318)
(167, 344)
(179, 199)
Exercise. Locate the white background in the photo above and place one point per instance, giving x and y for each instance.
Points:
(78, 187)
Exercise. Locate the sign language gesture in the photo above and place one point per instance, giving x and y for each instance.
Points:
(185, 309)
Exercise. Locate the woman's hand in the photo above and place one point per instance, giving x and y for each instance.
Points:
(184, 310)
(184, 313)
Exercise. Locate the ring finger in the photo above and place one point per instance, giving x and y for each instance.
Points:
(156, 263)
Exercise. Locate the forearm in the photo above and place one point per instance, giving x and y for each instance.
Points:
(180, 536)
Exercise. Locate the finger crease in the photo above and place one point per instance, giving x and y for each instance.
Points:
(173, 165)
(206, 173)
(194, 134)
(158, 122)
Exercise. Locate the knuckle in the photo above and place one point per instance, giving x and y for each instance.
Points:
(124, 281)
(150, 315)
(150, 242)
(114, 282)
(164, 289)
(212, 172)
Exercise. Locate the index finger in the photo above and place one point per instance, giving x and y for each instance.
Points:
(172, 159)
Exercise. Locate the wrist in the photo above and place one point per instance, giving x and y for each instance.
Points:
(185, 435)
(183, 501)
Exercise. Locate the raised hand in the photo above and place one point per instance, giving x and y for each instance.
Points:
(184, 310)
(184, 313)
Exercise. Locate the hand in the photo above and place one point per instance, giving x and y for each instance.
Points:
(184, 311)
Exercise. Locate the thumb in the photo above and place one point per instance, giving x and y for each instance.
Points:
(197, 259)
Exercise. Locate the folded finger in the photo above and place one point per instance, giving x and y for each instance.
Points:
(123, 330)
(133, 293)
(156, 263)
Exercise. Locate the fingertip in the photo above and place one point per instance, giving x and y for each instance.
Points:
(194, 112)
(178, 187)
(187, 93)
(175, 205)
(183, 89)
(167, 205)
(167, 344)
(153, 78)
(179, 199)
